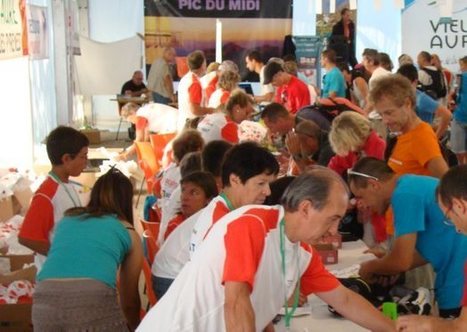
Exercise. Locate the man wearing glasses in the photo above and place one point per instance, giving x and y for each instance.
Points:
(452, 198)
(421, 234)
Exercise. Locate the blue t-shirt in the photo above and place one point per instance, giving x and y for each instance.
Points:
(416, 211)
(460, 113)
(333, 81)
(87, 248)
(426, 107)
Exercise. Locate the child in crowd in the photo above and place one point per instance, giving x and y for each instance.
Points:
(76, 289)
(67, 149)
(197, 190)
(189, 140)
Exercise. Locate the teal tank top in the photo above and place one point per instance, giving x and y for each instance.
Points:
(87, 248)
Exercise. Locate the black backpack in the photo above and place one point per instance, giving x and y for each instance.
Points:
(437, 89)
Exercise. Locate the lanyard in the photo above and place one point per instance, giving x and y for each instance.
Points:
(227, 201)
(288, 314)
(56, 178)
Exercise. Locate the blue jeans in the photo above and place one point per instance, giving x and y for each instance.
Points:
(160, 99)
(160, 285)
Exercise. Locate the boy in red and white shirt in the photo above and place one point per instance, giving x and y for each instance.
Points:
(67, 150)
(254, 257)
(191, 99)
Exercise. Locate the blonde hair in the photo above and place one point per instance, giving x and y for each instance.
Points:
(228, 80)
(128, 109)
(349, 131)
(395, 88)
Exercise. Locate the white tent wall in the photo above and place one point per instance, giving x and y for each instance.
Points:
(111, 21)
(379, 27)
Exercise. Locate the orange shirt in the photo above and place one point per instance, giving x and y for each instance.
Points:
(414, 150)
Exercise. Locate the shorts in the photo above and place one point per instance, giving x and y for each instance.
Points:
(458, 137)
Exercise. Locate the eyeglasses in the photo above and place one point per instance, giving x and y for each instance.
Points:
(447, 221)
(350, 172)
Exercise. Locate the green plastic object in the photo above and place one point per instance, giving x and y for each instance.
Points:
(390, 310)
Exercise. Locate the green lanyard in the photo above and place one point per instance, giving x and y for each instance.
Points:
(288, 314)
(227, 201)
(56, 178)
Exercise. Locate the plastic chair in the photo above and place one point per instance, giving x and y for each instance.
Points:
(153, 227)
(148, 163)
(159, 142)
(151, 248)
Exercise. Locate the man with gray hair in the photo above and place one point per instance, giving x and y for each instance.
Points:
(160, 80)
(256, 257)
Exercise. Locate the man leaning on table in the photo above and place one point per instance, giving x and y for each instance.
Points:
(452, 198)
(422, 234)
(134, 87)
(254, 257)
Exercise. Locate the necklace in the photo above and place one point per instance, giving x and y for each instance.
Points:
(60, 182)
(288, 314)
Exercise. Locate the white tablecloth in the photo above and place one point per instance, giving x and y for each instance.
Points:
(321, 319)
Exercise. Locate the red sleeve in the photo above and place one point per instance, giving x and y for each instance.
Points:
(141, 123)
(225, 97)
(174, 223)
(301, 99)
(230, 132)
(316, 278)
(196, 93)
(39, 219)
(244, 244)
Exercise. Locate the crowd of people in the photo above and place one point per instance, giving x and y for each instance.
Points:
(235, 246)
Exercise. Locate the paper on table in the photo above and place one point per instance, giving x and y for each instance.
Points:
(300, 311)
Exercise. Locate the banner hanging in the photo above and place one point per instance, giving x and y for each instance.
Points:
(13, 37)
(38, 35)
(188, 25)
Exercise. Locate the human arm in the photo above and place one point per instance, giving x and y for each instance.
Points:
(168, 83)
(437, 167)
(238, 310)
(355, 308)
(130, 271)
(266, 97)
(415, 323)
(362, 86)
(444, 116)
(141, 135)
(402, 257)
(37, 224)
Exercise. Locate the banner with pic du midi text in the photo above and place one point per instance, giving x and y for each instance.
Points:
(188, 25)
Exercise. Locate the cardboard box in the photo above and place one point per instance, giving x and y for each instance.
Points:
(93, 135)
(328, 254)
(335, 240)
(9, 206)
(17, 317)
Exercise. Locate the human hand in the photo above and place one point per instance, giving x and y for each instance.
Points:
(377, 251)
(414, 323)
(122, 156)
(292, 143)
(302, 299)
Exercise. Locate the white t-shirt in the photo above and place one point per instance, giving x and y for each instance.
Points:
(175, 252)
(216, 126)
(161, 118)
(218, 97)
(377, 74)
(243, 246)
(169, 209)
(265, 88)
(189, 91)
(156, 77)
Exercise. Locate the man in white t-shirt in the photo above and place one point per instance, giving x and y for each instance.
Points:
(255, 63)
(246, 173)
(160, 79)
(191, 100)
(255, 258)
(372, 65)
